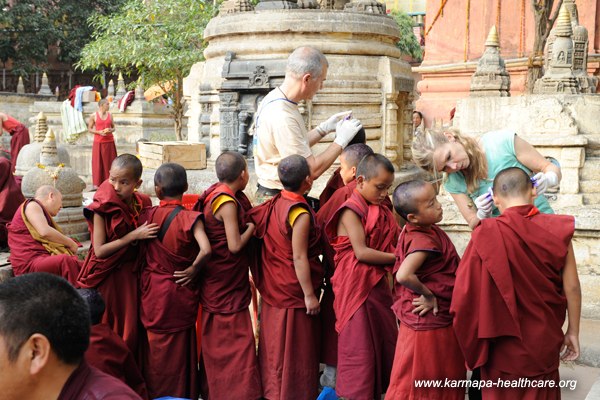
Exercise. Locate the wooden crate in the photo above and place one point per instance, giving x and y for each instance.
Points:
(188, 155)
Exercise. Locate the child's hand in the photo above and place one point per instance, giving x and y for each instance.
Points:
(312, 304)
(570, 348)
(250, 226)
(186, 276)
(424, 304)
(145, 231)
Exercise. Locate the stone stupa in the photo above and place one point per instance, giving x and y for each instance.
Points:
(490, 77)
(29, 155)
(50, 171)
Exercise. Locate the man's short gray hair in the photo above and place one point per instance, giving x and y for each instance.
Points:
(306, 60)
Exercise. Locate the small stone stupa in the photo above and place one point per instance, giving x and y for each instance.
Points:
(45, 88)
(587, 83)
(558, 77)
(29, 155)
(20, 86)
(490, 77)
(111, 88)
(49, 171)
(121, 90)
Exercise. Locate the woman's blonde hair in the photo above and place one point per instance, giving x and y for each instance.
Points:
(425, 143)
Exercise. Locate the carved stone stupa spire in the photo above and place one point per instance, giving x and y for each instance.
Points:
(490, 77)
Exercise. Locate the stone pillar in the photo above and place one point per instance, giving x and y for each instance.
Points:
(230, 135)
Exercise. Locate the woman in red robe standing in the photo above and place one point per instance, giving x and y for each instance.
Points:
(104, 150)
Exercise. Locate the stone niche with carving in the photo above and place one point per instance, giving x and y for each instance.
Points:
(245, 84)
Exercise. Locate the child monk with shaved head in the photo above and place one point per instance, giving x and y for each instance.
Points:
(518, 277)
(426, 262)
(363, 233)
(227, 337)
(288, 280)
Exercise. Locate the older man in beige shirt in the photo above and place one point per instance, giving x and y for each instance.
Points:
(281, 130)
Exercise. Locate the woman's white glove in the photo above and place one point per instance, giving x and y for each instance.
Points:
(485, 205)
(542, 181)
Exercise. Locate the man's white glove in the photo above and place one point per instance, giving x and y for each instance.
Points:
(485, 205)
(330, 125)
(542, 181)
(345, 131)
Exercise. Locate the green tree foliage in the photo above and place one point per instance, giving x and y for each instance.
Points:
(408, 43)
(158, 39)
(28, 28)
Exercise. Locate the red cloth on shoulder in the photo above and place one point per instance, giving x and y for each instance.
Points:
(352, 280)
(437, 273)
(276, 275)
(10, 198)
(109, 353)
(20, 138)
(28, 255)
(116, 276)
(224, 280)
(87, 382)
(334, 183)
(508, 302)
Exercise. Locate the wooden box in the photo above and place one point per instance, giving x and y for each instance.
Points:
(188, 155)
(88, 96)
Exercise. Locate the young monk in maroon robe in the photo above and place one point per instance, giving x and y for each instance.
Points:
(227, 337)
(363, 233)
(288, 280)
(10, 199)
(349, 160)
(20, 137)
(336, 181)
(107, 351)
(169, 291)
(518, 276)
(37, 243)
(45, 330)
(112, 264)
(425, 268)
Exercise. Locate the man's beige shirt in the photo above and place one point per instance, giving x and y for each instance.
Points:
(280, 132)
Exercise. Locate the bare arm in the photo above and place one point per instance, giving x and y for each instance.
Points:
(228, 214)
(351, 226)
(36, 217)
(314, 137)
(532, 159)
(320, 163)
(406, 276)
(102, 249)
(92, 126)
(466, 208)
(572, 290)
(189, 274)
(300, 232)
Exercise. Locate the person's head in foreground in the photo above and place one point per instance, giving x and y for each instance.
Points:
(170, 181)
(95, 303)
(50, 198)
(513, 187)
(416, 201)
(374, 177)
(349, 160)
(448, 151)
(44, 333)
(231, 169)
(125, 175)
(294, 174)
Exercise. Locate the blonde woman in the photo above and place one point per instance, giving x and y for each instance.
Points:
(472, 163)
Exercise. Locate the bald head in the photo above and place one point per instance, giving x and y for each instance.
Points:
(370, 165)
(293, 170)
(229, 166)
(353, 154)
(306, 60)
(44, 191)
(130, 163)
(512, 183)
(404, 197)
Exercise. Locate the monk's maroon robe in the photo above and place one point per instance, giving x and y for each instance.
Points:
(10, 199)
(424, 340)
(334, 183)
(288, 350)
(87, 382)
(28, 255)
(117, 276)
(363, 299)
(109, 353)
(508, 302)
(227, 337)
(20, 138)
(169, 310)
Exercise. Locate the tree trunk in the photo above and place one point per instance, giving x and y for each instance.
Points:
(177, 112)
